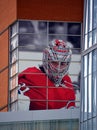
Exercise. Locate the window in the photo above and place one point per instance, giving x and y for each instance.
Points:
(28, 39)
(89, 72)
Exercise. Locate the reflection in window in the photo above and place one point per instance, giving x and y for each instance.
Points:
(69, 32)
(64, 28)
(94, 123)
(89, 96)
(26, 27)
(90, 39)
(82, 104)
(58, 28)
(94, 84)
(94, 89)
(14, 69)
(55, 124)
(74, 28)
(84, 126)
(26, 51)
(14, 29)
(13, 56)
(32, 42)
(86, 19)
(94, 63)
(75, 40)
(33, 35)
(86, 42)
(89, 125)
(85, 98)
(32, 26)
(14, 106)
(94, 36)
(90, 63)
(90, 15)
(38, 38)
(14, 43)
(13, 82)
(85, 65)
(94, 13)
(90, 86)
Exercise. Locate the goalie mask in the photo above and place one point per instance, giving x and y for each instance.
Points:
(56, 60)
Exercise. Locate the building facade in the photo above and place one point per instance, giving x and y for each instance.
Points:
(66, 11)
(89, 67)
(25, 30)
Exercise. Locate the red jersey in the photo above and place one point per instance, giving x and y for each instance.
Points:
(42, 91)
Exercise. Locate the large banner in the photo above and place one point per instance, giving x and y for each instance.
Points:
(45, 65)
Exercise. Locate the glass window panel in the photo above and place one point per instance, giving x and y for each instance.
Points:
(90, 39)
(85, 98)
(86, 19)
(85, 65)
(94, 123)
(32, 42)
(14, 95)
(74, 78)
(86, 42)
(89, 125)
(14, 29)
(85, 126)
(90, 63)
(94, 13)
(33, 38)
(14, 43)
(24, 64)
(30, 56)
(81, 126)
(82, 102)
(29, 74)
(90, 16)
(59, 104)
(74, 28)
(90, 96)
(75, 41)
(64, 28)
(56, 36)
(13, 82)
(26, 105)
(94, 56)
(94, 36)
(74, 125)
(32, 26)
(13, 106)
(26, 27)
(94, 84)
(76, 51)
(13, 56)
(13, 69)
(58, 124)
(42, 27)
(73, 66)
(23, 103)
(58, 28)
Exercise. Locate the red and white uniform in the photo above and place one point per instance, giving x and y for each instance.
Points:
(43, 93)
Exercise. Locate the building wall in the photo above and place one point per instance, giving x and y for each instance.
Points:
(7, 13)
(4, 69)
(65, 10)
(7, 16)
(11, 10)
